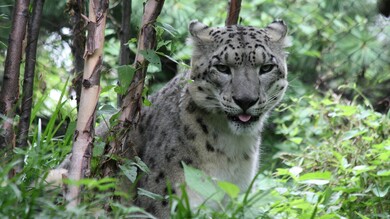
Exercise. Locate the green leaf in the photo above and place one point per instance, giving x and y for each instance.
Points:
(361, 216)
(296, 140)
(313, 53)
(282, 172)
(129, 171)
(348, 110)
(151, 195)
(295, 171)
(317, 178)
(152, 57)
(130, 168)
(98, 148)
(163, 43)
(141, 165)
(130, 211)
(380, 193)
(317, 175)
(383, 173)
(107, 88)
(168, 28)
(101, 184)
(361, 169)
(146, 102)
(125, 75)
(318, 182)
(230, 189)
(202, 184)
(307, 29)
(106, 109)
(352, 134)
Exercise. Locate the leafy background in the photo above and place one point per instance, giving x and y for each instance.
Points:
(326, 148)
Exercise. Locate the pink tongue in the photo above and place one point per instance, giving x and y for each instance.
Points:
(244, 118)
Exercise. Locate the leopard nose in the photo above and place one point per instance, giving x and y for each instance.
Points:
(245, 102)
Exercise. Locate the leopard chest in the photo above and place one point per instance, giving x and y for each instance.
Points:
(226, 156)
(235, 159)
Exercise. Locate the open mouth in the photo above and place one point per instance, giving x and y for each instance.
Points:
(243, 118)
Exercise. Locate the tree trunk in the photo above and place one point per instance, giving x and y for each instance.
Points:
(76, 9)
(83, 137)
(124, 53)
(9, 94)
(233, 12)
(28, 82)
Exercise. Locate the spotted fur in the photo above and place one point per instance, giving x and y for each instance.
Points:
(211, 117)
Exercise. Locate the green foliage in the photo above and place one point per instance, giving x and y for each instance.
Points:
(28, 190)
(344, 162)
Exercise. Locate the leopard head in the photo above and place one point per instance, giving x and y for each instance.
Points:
(239, 73)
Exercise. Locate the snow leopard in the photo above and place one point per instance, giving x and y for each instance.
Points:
(211, 117)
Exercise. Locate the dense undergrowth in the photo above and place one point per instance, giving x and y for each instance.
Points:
(333, 161)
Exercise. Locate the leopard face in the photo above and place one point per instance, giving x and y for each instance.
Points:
(239, 73)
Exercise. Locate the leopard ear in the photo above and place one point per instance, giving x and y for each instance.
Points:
(277, 31)
(199, 31)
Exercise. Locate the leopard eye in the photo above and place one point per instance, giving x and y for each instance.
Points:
(223, 69)
(266, 68)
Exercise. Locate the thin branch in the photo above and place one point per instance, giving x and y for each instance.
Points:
(9, 94)
(124, 35)
(147, 40)
(76, 9)
(28, 81)
(233, 12)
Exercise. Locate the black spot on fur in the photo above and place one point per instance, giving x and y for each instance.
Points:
(202, 125)
(215, 136)
(151, 208)
(162, 138)
(164, 203)
(188, 161)
(215, 33)
(209, 147)
(147, 121)
(141, 129)
(169, 156)
(191, 107)
(160, 177)
(221, 152)
(246, 156)
(152, 162)
(189, 133)
(180, 140)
